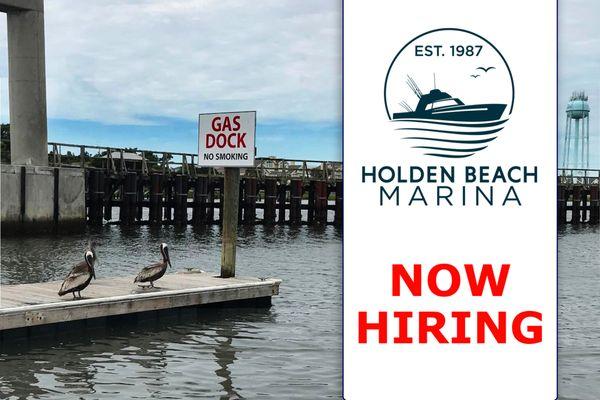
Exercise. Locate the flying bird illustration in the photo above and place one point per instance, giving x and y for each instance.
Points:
(484, 69)
(474, 76)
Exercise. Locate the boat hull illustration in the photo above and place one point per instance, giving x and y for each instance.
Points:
(444, 126)
(457, 113)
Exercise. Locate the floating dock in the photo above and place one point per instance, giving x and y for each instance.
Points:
(38, 304)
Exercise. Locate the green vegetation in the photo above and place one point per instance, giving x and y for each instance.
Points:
(5, 144)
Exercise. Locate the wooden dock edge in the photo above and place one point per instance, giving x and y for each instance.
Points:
(66, 311)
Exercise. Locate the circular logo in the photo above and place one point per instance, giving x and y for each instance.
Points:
(449, 92)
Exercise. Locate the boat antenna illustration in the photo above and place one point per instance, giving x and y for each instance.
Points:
(413, 86)
(434, 81)
(405, 105)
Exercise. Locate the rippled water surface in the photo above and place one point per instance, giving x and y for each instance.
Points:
(579, 313)
(291, 350)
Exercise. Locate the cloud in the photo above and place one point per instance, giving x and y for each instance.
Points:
(120, 62)
(116, 62)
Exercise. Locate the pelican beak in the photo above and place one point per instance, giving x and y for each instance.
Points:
(167, 256)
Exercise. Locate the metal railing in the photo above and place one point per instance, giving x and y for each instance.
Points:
(121, 160)
(286, 169)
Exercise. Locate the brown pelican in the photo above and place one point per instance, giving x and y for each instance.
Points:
(79, 277)
(154, 272)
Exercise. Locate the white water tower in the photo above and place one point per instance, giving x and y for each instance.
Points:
(576, 147)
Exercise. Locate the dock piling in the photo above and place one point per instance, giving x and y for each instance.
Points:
(281, 199)
(321, 202)
(200, 195)
(594, 204)
(576, 210)
(139, 209)
(229, 218)
(107, 200)
(220, 188)
(339, 207)
(311, 202)
(155, 213)
(249, 201)
(562, 204)
(180, 199)
(270, 200)
(168, 188)
(128, 198)
(96, 196)
(295, 201)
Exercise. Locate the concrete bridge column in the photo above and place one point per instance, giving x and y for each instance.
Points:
(27, 81)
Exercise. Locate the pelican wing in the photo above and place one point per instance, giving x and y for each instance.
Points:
(82, 267)
(73, 280)
(150, 271)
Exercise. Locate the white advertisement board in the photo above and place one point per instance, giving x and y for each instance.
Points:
(450, 272)
(227, 139)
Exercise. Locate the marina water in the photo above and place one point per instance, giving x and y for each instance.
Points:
(579, 312)
(292, 350)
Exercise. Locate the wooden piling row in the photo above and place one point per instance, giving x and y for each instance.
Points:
(158, 198)
(578, 204)
(168, 197)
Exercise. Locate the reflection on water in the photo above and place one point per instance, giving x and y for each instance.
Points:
(579, 313)
(292, 350)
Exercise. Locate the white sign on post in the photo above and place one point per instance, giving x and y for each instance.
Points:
(226, 139)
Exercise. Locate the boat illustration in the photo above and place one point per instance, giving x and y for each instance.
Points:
(444, 126)
(438, 105)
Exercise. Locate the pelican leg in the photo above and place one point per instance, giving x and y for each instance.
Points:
(74, 295)
(151, 284)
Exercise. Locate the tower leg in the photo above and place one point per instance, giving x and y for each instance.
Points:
(576, 145)
(587, 140)
(583, 143)
(565, 148)
(568, 141)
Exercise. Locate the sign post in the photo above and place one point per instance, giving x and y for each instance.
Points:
(227, 140)
(231, 189)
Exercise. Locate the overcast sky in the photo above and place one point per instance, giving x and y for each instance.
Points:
(137, 73)
(579, 64)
